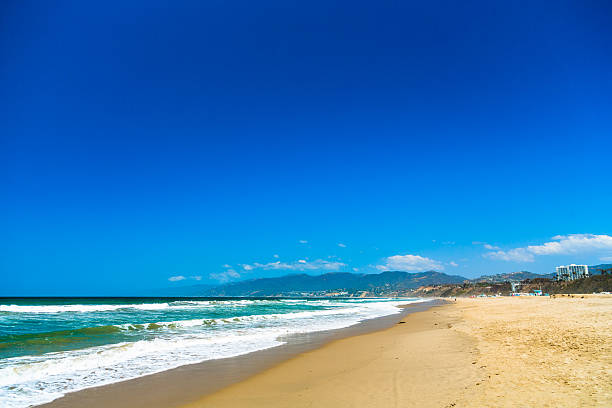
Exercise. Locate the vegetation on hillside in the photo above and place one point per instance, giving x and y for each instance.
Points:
(596, 283)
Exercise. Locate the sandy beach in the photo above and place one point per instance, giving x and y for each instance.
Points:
(317, 204)
(483, 352)
(188, 383)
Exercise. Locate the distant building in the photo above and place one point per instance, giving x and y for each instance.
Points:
(572, 272)
(515, 286)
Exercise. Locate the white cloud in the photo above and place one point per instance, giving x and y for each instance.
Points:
(276, 256)
(571, 244)
(606, 258)
(560, 245)
(452, 263)
(409, 263)
(300, 265)
(486, 245)
(516, 255)
(341, 245)
(303, 241)
(225, 275)
(181, 278)
(356, 269)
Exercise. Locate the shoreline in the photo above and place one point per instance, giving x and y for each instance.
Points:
(379, 369)
(493, 352)
(182, 385)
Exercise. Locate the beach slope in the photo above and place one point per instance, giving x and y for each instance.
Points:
(496, 352)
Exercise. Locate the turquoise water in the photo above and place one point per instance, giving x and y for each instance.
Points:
(52, 346)
(48, 325)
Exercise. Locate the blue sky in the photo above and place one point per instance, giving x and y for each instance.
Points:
(207, 141)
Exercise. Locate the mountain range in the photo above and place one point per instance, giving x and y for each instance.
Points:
(600, 269)
(512, 276)
(340, 281)
(351, 283)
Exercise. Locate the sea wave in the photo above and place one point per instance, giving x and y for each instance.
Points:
(76, 335)
(36, 379)
(179, 304)
(79, 308)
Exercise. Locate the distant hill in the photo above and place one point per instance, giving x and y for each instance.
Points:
(512, 276)
(385, 283)
(598, 269)
(522, 275)
(348, 282)
(596, 283)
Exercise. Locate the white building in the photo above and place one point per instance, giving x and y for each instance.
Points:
(572, 272)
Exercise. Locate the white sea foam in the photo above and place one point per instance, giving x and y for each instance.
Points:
(253, 318)
(36, 379)
(180, 304)
(80, 308)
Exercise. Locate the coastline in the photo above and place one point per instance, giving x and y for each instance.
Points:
(380, 369)
(186, 384)
(494, 352)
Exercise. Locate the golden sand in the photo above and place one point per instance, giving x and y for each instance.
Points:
(483, 352)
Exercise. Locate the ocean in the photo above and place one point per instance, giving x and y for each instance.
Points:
(52, 346)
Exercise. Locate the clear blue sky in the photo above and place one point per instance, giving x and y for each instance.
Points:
(209, 141)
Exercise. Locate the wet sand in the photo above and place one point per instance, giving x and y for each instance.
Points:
(186, 384)
(483, 352)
